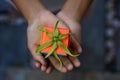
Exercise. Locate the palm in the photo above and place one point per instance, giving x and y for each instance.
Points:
(33, 44)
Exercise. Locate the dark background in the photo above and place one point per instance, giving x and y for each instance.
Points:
(16, 62)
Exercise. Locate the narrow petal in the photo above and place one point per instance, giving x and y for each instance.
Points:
(57, 57)
(62, 36)
(56, 32)
(50, 35)
(47, 32)
(66, 49)
(43, 46)
(52, 50)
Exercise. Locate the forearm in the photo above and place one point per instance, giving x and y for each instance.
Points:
(29, 8)
(75, 9)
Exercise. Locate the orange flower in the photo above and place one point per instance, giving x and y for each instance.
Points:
(54, 41)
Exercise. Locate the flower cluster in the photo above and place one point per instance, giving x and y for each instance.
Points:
(55, 42)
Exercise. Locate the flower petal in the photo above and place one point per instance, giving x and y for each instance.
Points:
(66, 49)
(43, 46)
(52, 50)
(47, 32)
(62, 36)
(56, 32)
(57, 57)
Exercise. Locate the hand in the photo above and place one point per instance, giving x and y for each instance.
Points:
(75, 28)
(33, 36)
(44, 19)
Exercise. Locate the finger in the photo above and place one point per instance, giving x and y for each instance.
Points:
(56, 64)
(43, 68)
(75, 45)
(75, 61)
(67, 63)
(49, 69)
(39, 58)
(37, 64)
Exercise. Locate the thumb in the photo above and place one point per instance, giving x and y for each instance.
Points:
(75, 46)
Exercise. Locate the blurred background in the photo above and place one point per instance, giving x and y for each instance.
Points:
(100, 59)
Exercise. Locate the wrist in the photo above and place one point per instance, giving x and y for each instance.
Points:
(37, 16)
(68, 18)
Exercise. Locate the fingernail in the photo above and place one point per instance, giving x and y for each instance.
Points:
(64, 70)
(70, 67)
(43, 68)
(47, 72)
(77, 64)
(37, 65)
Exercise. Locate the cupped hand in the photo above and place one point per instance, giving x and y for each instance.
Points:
(47, 19)
(33, 36)
(75, 42)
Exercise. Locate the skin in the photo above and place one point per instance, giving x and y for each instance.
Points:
(37, 14)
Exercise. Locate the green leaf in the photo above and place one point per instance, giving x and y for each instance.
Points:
(52, 50)
(62, 36)
(66, 49)
(47, 32)
(57, 57)
(43, 46)
(56, 32)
